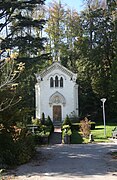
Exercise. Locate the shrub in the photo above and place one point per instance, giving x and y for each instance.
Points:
(85, 127)
(42, 136)
(66, 131)
(76, 138)
(43, 118)
(16, 152)
(75, 126)
(7, 148)
(25, 149)
(49, 123)
(74, 118)
(66, 126)
(36, 122)
(67, 121)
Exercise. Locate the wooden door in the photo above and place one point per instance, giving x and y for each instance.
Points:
(57, 113)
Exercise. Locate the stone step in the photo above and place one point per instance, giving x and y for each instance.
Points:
(57, 129)
(57, 123)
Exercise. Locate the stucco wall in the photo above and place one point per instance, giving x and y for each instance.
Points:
(44, 91)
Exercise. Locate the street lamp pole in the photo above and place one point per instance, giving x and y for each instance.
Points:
(103, 101)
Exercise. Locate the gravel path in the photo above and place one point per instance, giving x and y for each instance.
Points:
(62, 162)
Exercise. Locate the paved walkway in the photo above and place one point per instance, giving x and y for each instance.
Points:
(56, 137)
(67, 162)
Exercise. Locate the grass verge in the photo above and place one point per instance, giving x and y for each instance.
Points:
(98, 133)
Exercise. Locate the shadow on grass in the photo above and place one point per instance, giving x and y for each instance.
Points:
(76, 138)
(98, 128)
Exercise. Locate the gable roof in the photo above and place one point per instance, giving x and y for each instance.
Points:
(57, 65)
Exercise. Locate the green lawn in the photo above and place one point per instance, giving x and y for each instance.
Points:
(98, 133)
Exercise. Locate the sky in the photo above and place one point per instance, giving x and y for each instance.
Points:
(73, 4)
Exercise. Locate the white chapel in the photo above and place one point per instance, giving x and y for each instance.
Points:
(56, 93)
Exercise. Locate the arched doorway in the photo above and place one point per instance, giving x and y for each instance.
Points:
(57, 102)
(57, 113)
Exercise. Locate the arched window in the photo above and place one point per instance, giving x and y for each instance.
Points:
(61, 82)
(51, 82)
(56, 81)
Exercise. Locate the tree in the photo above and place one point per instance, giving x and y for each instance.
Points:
(21, 34)
(98, 52)
(24, 35)
(8, 76)
(63, 29)
(55, 27)
(18, 33)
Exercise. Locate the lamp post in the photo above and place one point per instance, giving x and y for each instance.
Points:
(103, 101)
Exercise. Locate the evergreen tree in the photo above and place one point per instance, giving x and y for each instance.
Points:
(102, 53)
(63, 29)
(22, 33)
(55, 28)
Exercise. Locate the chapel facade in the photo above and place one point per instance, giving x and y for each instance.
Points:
(56, 93)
